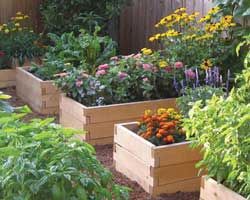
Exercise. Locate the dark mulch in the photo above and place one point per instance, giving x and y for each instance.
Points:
(105, 155)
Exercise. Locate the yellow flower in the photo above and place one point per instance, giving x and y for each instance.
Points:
(161, 111)
(19, 18)
(206, 64)
(6, 31)
(177, 117)
(17, 24)
(227, 19)
(214, 10)
(19, 13)
(1, 28)
(163, 64)
(4, 24)
(205, 18)
(172, 33)
(206, 36)
(189, 37)
(146, 51)
(180, 10)
(148, 112)
(25, 16)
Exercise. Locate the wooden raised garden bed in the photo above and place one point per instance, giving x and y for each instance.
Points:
(211, 190)
(41, 96)
(99, 121)
(7, 78)
(163, 169)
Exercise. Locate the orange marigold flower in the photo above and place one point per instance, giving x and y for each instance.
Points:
(158, 135)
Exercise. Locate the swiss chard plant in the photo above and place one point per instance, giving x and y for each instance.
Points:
(85, 51)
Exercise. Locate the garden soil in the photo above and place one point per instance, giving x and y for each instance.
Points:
(105, 155)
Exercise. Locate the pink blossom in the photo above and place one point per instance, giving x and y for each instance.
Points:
(100, 72)
(189, 73)
(128, 56)
(145, 79)
(103, 67)
(79, 83)
(122, 75)
(137, 56)
(154, 69)
(178, 65)
(168, 69)
(114, 58)
(147, 66)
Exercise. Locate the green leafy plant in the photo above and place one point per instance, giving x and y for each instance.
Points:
(221, 128)
(85, 51)
(72, 15)
(202, 94)
(40, 160)
(18, 41)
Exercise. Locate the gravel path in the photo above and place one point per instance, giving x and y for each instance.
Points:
(105, 155)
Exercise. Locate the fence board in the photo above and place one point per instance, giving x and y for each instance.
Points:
(138, 19)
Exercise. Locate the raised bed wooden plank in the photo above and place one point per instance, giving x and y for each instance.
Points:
(7, 78)
(211, 190)
(41, 96)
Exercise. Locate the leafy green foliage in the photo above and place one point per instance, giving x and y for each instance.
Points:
(221, 128)
(40, 160)
(239, 8)
(85, 51)
(202, 94)
(61, 16)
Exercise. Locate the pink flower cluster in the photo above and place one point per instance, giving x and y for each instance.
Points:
(102, 69)
(149, 67)
(190, 74)
(122, 75)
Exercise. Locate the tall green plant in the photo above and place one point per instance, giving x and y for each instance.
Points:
(40, 160)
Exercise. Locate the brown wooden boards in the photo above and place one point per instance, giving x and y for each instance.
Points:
(163, 169)
(41, 96)
(7, 78)
(99, 121)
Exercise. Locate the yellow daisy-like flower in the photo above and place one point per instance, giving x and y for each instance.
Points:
(189, 37)
(162, 64)
(19, 18)
(25, 16)
(6, 31)
(146, 51)
(17, 24)
(206, 64)
(161, 111)
(204, 37)
(151, 39)
(148, 112)
(205, 18)
(19, 13)
(214, 10)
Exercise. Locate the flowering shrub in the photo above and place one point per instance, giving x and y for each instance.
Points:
(124, 79)
(18, 40)
(162, 127)
(203, 43)
(85, 51)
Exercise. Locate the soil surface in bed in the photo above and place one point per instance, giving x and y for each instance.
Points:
(105, 155)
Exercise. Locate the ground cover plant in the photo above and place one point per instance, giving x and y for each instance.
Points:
(18, 41)
(85, 51)
(60, 16)
(161, 128)
(221, 128)
(41, 160)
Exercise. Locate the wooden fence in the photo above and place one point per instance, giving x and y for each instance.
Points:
(139, 17)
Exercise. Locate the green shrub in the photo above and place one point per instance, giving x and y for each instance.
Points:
(85, 51)
(72, 15)
(221, 128)
(40, 160)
